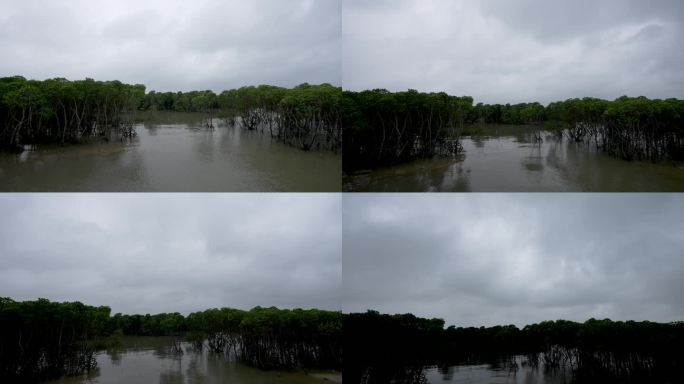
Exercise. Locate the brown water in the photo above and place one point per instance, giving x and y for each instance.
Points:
(508, 159)
(174, 152)
(145, 360)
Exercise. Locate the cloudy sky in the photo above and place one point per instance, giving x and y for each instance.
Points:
(516, 51)
(173, 45)
(150, 253)
(491, 259)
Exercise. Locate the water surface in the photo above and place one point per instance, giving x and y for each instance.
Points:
(508, 159)
(145, 360)
(492, 374)
(174, 152)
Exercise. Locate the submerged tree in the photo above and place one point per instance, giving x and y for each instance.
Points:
(306, 116)
(271, 337)
(58, 110)
(632, 128)
(385, 128)
(379, 346)
(382, 127)
(42, 339)
(61, 111)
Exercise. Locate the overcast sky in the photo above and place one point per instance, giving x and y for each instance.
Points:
(150, 253)
(172, 45)
(491, 259)
(516, 51)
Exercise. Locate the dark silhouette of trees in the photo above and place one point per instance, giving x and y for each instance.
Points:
(382, 128)
(162, 324)
(271, 337)
(381, 348)
(42, 339)
(514, 114)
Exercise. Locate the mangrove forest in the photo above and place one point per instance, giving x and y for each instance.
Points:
(60, 111)
(42, 339)
(382, 128)
(381, 348)
(306, 116)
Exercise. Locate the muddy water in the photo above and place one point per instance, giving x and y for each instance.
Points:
(174, 152)
(491, 374)
(509, 159)
(145, 360)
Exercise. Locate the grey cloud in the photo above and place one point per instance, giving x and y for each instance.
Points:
(153, 253)
(174, 45)
(503, 51)
(560, 20)
(496, 258)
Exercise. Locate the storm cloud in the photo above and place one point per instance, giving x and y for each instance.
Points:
(154, 253)
(502, 51)
(172, 45)
(490, 259)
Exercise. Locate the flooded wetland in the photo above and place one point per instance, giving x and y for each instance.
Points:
(173, 152)
(144, 360)
(509, 158)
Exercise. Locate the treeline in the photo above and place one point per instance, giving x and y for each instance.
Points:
(272, 338)
(194, 101)
(394, 348)
(263, 337)
(632, 128)
(60, 111)
(42, 339)
(511, 114)
(306, 116)
(384, 128)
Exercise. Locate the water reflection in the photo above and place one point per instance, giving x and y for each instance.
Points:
(174, 152)
(512, 159)
(516, 373)
(144, 360)
(515, 370)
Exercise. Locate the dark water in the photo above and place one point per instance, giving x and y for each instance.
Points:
(145, 360)
(489, 374)
(174, 152)
(509, 159)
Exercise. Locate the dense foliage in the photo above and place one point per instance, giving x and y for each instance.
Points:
(629, 127)
(61, 111)
(273, 338)
(306, 116)
(384, 128)
(58, 110)
(262, 337)
(381, 127)
(194, 101)
(381, 348)
(515, 114)
(162, 324)
(42, 339)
